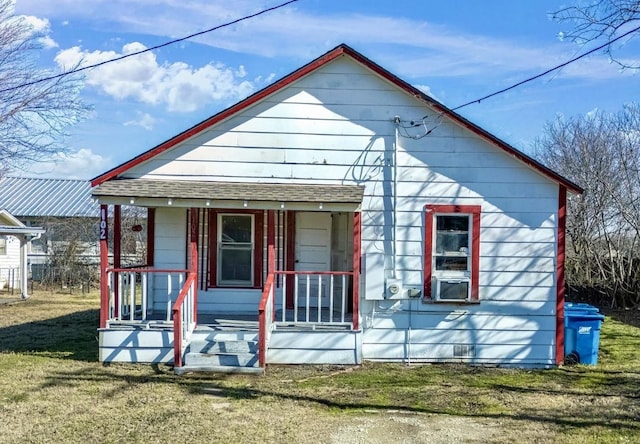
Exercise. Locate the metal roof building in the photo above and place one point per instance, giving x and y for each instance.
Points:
(43, 197)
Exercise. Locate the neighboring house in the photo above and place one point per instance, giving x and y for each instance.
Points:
(15, 240)
(336, 216)
(64, 207)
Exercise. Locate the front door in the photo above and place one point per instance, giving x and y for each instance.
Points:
(312, 253)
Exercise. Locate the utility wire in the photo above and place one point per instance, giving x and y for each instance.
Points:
(153, 48)
(562, 65)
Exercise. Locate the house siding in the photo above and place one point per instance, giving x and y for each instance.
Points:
(10, 264)
(335, 126)
(169, 252)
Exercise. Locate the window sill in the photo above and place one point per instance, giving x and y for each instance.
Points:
(451, 302)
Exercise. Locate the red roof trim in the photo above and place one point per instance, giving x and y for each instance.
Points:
(303, 71)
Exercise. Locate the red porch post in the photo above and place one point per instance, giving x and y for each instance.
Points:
(104, 264)
(117, 253)
(271, 242)
(290, 256)
(193, 257)
(151, 235)
(560, 274)
(357, 247)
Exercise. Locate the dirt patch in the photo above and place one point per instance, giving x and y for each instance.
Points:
(383, 428)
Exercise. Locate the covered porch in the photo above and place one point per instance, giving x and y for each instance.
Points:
(272, 268)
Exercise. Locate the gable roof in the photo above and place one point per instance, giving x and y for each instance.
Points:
(10, 225)
(341, 50)
(43, 197)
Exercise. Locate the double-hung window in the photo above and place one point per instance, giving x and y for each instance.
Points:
(3, 245)
(451, 257)
(236, 247)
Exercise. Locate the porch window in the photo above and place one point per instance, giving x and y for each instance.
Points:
(236, 246)
(3, 245)
(451, 259)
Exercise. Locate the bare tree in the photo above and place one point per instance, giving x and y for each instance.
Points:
(34, 114)
(604, 21)
(601, 152)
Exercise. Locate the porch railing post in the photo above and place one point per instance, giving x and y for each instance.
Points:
(357, 246)
(193, 256)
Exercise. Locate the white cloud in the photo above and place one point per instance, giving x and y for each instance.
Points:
(145, 121)
(178, 86)
(82, 164)
(42, 27)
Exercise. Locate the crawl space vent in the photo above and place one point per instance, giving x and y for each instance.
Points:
(464, 351)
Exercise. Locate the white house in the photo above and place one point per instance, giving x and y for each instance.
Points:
(15, 240)
(336, 216)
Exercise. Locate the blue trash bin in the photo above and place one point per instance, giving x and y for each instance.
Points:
(582, 333)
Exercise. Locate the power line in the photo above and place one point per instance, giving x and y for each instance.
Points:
(562, 65)
(153, 48)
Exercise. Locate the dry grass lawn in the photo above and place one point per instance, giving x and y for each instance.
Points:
(52, 389)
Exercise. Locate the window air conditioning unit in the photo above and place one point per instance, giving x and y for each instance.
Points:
(452, 289)
(393, 289)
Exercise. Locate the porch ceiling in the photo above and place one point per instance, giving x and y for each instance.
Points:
(190, 191)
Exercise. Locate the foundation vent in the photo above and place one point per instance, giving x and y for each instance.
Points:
(464, 351)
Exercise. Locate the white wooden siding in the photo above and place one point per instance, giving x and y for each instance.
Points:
(335, 126)
(169, 250)
(10, 264)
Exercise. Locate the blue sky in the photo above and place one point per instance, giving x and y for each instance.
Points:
(458, 51)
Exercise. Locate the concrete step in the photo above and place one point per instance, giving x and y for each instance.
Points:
(203, 334)
(218, 369)
(221, 359)
(207, 346)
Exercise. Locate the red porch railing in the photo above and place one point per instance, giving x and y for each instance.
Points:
(266, 315)
(318, 297)
(130, 292)
(184, 318)
(130, 300)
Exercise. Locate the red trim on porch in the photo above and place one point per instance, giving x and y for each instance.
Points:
(291, 255)
(193, 257)
(560, 274)
(117, 252)
(258, 266)
(307, 69)
(104, 264)
(213, 249)
(357, 249)
(271, 242)
(151, 235)
(475, 211)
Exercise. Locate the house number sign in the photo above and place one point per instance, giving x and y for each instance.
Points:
(103, 223)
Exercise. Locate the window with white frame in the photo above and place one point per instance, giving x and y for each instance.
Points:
(236, 244)
(3, 245)
(452, 242)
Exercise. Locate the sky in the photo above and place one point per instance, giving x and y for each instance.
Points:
(457, 51)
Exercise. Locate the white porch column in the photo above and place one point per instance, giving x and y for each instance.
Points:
(24, 268)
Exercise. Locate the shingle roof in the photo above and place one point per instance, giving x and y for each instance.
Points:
(41, 197)
(187, 189)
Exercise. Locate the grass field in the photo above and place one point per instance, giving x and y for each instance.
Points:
(52, 389)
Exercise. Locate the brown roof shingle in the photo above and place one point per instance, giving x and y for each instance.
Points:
(190, 189)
